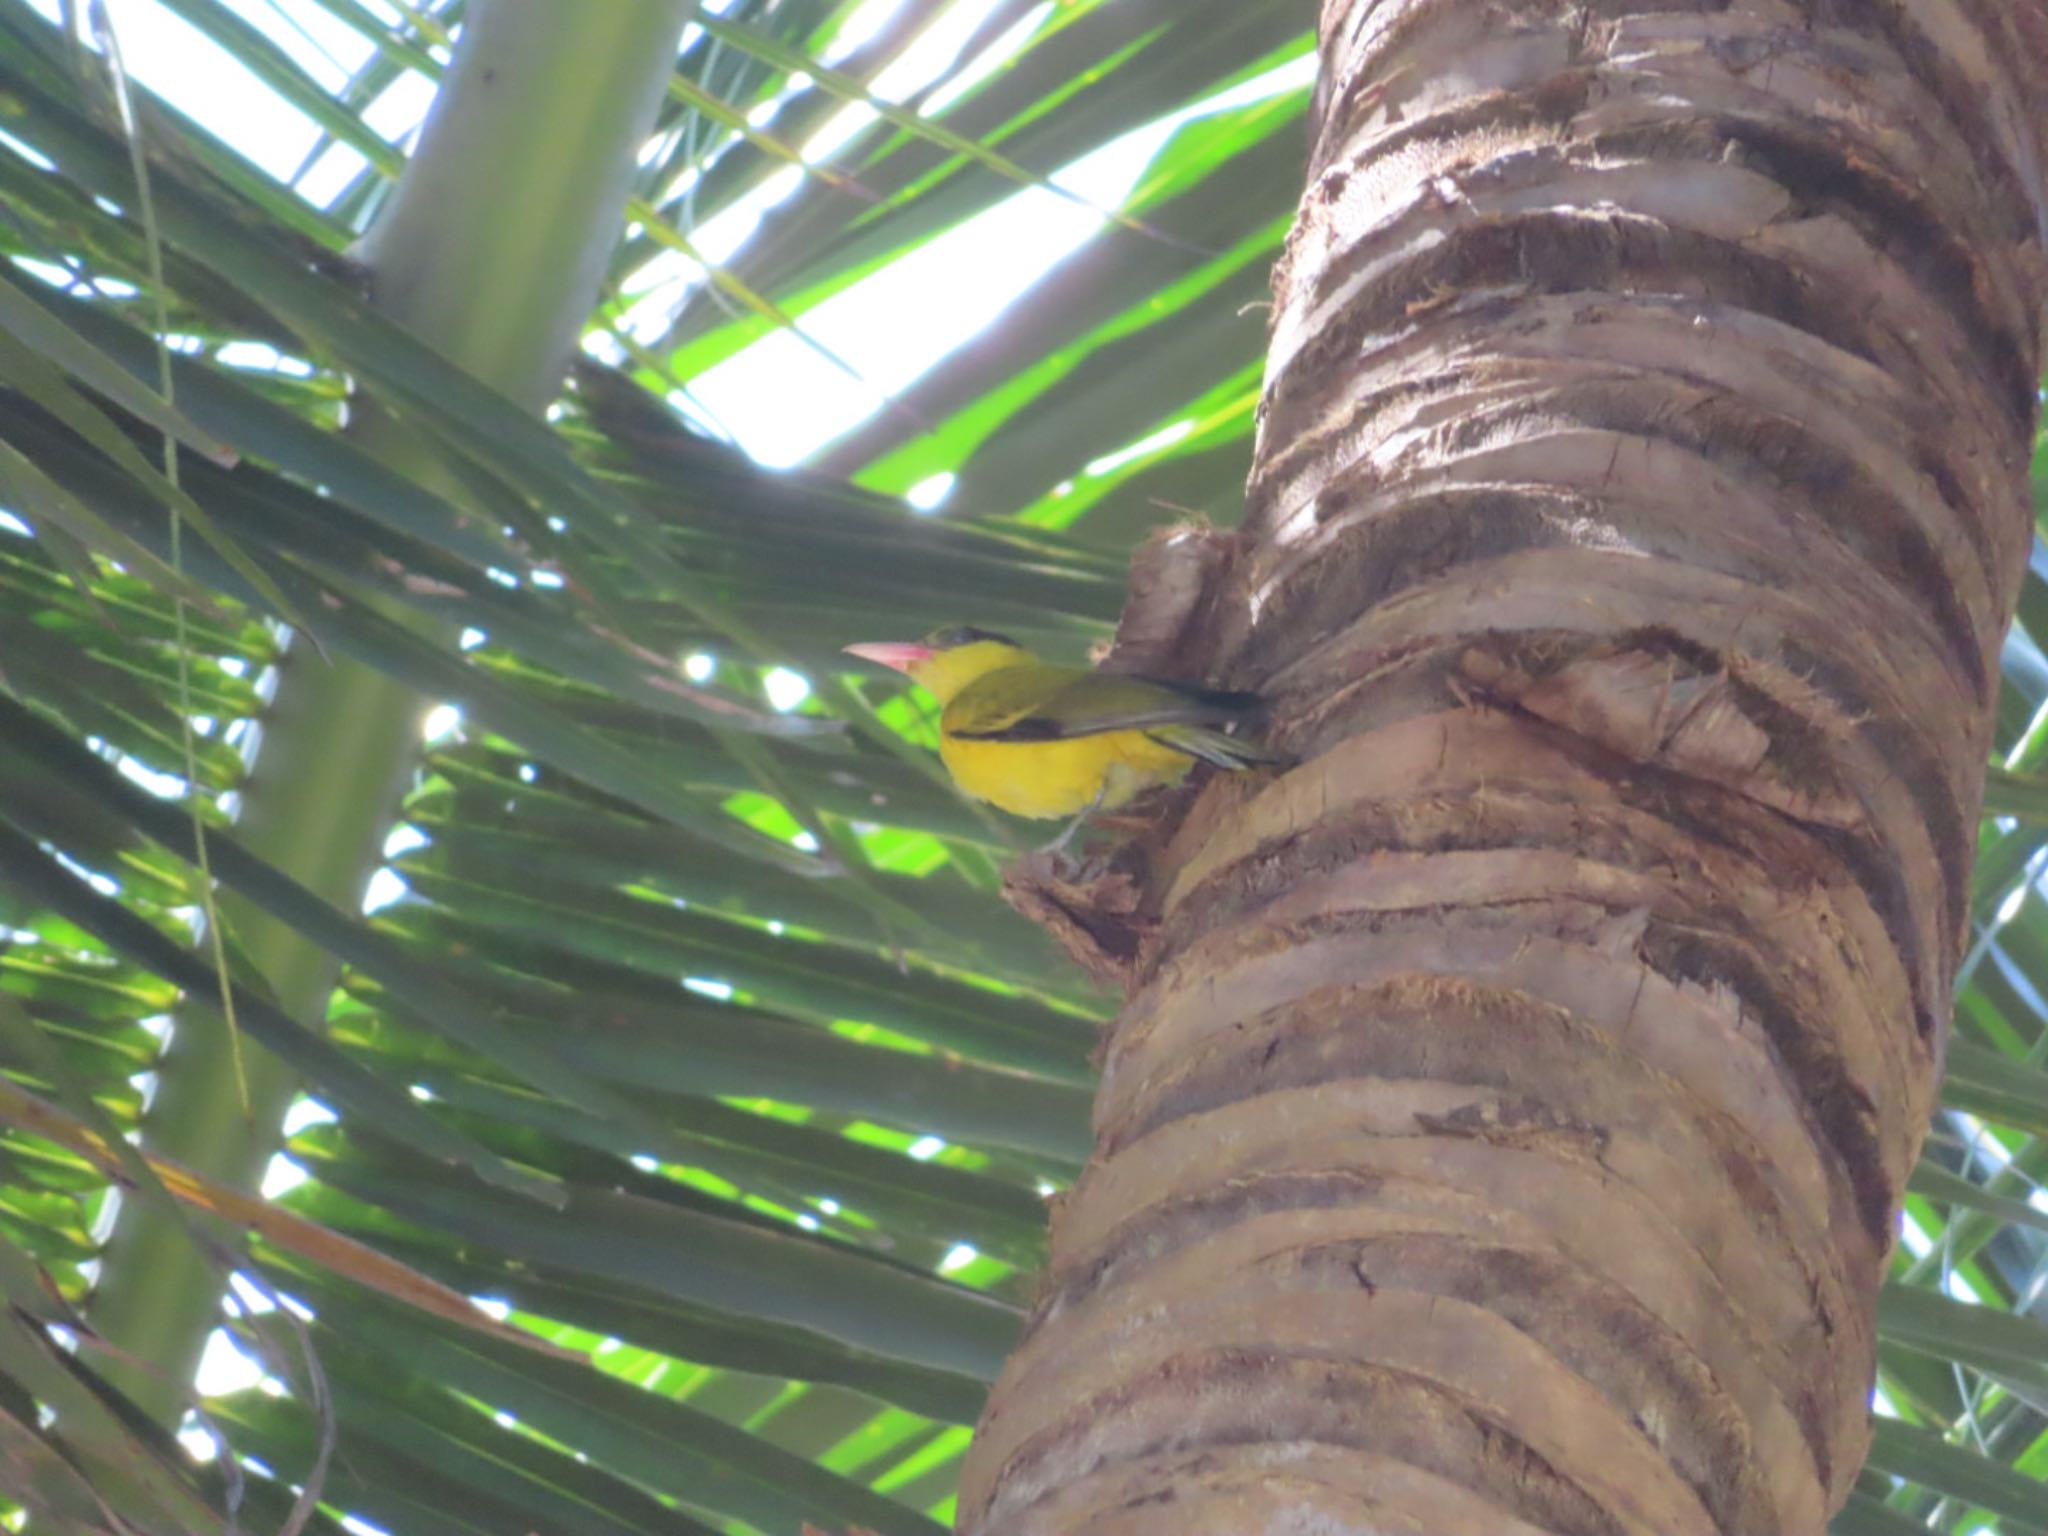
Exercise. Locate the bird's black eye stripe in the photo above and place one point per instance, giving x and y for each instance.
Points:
(963, 634)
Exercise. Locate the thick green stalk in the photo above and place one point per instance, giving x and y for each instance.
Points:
(490, 249)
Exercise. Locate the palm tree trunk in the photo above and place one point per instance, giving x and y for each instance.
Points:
(1507, 1126)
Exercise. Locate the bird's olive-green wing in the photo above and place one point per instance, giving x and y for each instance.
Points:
(1049, 703)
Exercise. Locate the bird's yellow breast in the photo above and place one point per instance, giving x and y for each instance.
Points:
(1059, 778)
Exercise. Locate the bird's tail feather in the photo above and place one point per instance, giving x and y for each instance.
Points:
(1222, 704)
(1231, 753)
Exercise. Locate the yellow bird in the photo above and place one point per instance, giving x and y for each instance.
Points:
(1041, 740)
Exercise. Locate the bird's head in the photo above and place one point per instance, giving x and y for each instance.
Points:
(946, 660)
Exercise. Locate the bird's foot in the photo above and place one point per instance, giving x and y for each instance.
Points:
(1058, 844)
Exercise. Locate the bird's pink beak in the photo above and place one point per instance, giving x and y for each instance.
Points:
(892, 653)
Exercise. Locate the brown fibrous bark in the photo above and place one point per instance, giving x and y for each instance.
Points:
(1507, 1125)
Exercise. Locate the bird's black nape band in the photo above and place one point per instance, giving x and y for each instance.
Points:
(963, 634)
(1030, 728)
